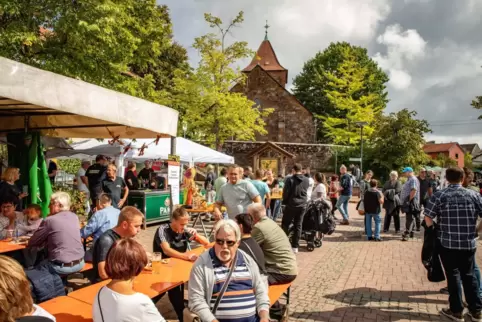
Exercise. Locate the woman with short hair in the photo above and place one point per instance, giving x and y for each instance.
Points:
(391, 192)
(16, 301)
(117, 301)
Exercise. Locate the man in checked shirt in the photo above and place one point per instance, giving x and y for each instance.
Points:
(456, 210)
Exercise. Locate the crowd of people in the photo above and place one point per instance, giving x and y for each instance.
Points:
(251, 251)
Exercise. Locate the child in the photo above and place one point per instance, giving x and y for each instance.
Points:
(31, 221)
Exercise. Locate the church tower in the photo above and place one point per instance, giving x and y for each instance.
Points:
(266, 58)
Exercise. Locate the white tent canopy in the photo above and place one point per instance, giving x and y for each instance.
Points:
(188, 151)
(59, 106)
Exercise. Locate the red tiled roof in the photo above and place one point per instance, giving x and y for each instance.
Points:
(266, 58)
(441, 147)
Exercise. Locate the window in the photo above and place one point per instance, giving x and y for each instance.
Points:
(456, 155)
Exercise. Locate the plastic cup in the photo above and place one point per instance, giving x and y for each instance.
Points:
(156, 263)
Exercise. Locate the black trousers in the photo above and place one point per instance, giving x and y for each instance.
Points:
(412, 220)
(293, 215)
(333, 205)
(459, 265)
(176, 297)
(276, 279)
(396, 219)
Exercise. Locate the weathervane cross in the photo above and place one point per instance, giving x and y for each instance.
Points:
(266, 32)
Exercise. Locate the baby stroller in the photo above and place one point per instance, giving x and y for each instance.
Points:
(317, 222)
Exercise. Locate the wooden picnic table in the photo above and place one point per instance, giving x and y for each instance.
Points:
(176, 272)
(8, 246)
(276, 196)
(68, 309)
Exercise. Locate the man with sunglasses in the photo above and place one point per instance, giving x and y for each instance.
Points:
(245, 294)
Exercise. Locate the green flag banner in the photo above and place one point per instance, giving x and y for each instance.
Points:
(28, 155)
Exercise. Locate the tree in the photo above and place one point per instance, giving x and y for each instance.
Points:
(211, 110)
(311, 84)
(95, 41)
(398, 141)
(477, 103)
(445, 161)
(468, 161)
(351, 101)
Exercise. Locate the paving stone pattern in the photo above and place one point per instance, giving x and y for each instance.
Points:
(350, 279)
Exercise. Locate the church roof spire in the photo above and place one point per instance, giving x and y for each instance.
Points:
(265, 56)
(266, 32)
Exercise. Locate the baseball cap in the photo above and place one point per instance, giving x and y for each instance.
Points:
(407, 169)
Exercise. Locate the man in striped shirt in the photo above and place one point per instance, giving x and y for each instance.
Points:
(246, 296)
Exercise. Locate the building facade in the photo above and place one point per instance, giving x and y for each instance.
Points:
(291, 128)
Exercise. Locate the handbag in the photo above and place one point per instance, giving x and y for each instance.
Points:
(189, 316)
(361, 208)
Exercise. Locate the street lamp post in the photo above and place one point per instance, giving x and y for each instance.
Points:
(361, 125)
(184, 128)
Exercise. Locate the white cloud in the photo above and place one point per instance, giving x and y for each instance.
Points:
(402, 47)
(399, 79)
(333, 19)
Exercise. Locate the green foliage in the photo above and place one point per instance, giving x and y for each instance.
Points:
(348, 95)
(444, 161)
(398, 141)
(468, 161)
(311, 85)
(70, 166)
(77, 197)
(477, 103)
(95, 41)
(214, 113)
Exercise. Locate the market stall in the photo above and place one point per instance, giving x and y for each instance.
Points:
(154, 202)
(35, 103)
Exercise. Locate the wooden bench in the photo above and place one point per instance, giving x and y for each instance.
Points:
(87, 267)
(275, 292)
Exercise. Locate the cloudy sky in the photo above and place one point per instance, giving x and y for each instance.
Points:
(431, 49)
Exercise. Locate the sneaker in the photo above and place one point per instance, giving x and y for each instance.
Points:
(475, 316)
(451, 315)
(370, 238)
(295, 250)
(397, 231)
(385, 231)
(411, 234)
(404, 237)
(345, 222)
(378, 239)
(444, 290)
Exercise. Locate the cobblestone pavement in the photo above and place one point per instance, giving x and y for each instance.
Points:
(350, 279)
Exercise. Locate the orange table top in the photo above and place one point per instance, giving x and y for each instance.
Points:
(67, 309)
(174, 273)
(6, 247)
(275, 292)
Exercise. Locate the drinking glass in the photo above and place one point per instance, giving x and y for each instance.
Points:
(156, 263)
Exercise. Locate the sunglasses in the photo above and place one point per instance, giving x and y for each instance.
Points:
(229, 243)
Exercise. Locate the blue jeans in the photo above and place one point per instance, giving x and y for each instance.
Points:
(65, 270)
(274, 210)
(368, 224)
(342, 206)
(478, 277)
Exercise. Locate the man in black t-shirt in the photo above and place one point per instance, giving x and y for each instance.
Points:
(146, 173)
(425, 193)
(115, 186)
(95, 175)
(129, 225)
(173, 240)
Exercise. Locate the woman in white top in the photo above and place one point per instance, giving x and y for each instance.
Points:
(117, 301)
(16, 300)
(319, 192)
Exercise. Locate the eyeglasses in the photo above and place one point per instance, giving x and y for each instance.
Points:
(221, 242)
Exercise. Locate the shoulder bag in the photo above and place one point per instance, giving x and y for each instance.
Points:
(189, 316)
(98, 302)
